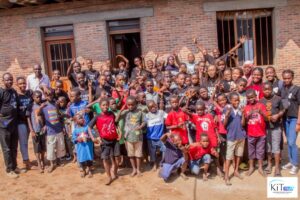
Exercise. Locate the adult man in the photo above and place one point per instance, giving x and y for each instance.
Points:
(38, 80)
(8, 125)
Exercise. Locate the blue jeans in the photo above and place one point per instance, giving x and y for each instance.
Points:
(153, 145)
(291, 136)
(23, 140)
(195, 164)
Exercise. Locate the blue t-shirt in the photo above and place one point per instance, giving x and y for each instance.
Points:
(77, 107)
(32, 113)
(235, 130)
(155, 124)
(52, 120)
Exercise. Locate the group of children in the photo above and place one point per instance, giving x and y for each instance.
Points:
(179, 117)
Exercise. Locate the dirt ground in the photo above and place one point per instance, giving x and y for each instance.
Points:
(66, 183)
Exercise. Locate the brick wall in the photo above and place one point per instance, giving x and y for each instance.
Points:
(172, 27)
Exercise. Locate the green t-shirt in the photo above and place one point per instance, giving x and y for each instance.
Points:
(96, 108)
(120, 127)
(133, 119)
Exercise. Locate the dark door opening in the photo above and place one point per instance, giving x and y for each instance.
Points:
(124, 36)
(128, 44)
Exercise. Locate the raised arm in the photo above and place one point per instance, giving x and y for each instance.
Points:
(70, 68)
(124, 59)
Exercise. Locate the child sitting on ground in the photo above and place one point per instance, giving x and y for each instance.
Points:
(175, 156)
(200, 152)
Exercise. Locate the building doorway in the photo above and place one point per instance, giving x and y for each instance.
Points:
(124, 38)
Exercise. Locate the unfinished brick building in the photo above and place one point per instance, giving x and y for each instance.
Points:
(52, 32)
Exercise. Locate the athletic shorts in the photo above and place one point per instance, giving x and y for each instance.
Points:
(110, 148)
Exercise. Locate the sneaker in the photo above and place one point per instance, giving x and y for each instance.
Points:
(68, 158)
(12, 174)
(294, 170)
(20, 171)
(287, 166)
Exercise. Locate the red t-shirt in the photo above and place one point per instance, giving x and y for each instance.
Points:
(256, 125)
(196, 152)
(258, 90)
(205, 124)
(221, 127)
(106, 126)
(176, 118)
(114, 95)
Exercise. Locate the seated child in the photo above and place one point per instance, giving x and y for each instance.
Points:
(175, 156)
(200, 152)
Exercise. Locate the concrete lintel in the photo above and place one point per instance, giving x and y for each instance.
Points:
(90, 17)
(242, 5)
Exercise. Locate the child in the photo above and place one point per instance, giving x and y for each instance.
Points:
(235, 135)
(54, 129)
(200, 152)
(256, 84)
(91, 74)
(209, 105)
(73, 70)
(82, 86)
(254, 116)
(110, 147)
(274, 80)
(134, 124)
(180, 89)
(58, 90)
(35, 125)
(155, 128)
(141, 100)
(175, 156)
(212, 80)
(78, 105)
(241, 89)
(62, 109)
(150, 94)
(195, 80)
(120, 91)
(177, 119)
(275, 112)
(56, 77)
(82, 137)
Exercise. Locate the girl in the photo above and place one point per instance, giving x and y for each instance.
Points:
(212, 80)
(171, 66)
(274, 80)
(83, 138)
(256, 84)
(138, 69)
(25, 100)
(110, 147)
(290, 94)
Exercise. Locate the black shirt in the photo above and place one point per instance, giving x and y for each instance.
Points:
(273, 106)
(8, 107)
(24, 102)
(98, 91)
(92, 76)
(291, 95)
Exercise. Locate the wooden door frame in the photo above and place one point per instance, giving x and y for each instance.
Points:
(56, 40)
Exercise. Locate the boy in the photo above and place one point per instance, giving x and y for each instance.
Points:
(35, 124)
(54, 128)
(177, 119)
(175, 156)
(150, 94)
(155, 128)
(255, 116)
(56, 77)
(235, 135)
(180, 89)
(241, 89)
(59, 91)
(200, 152)
(275, 112)
(120, 93)
(85, 88)
(110, 147)
(134, 124)
(91, 74)
(78, 105)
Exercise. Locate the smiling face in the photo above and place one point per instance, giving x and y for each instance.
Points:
(137, 61)
(251, 98)
(37, 70)
(287, 79)
(222, 100)
(8, 80)
(174, 103)
(267, 90)
(171, 60)
(270, 74)
(236, 74)
(152, 107)
(191, 58)
(203, 93)
(235, 101)
(204, 141)
(149, 86)
(77, 67)
(104, 106)
(212, 71)
(200, 109)
(21, 83)
(195, 79)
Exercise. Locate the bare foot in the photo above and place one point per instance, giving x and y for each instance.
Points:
(109, 181)
(90, 174)
(268, 169)
(82, 174)
(205, 176)
(220, 173)
(238, 175)
(50, 169)
(154, 168)
(227, 182)
(250, 171)
(261, 171)
(277, 173)
(139, 173)
(133, 173)
(183, 176)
